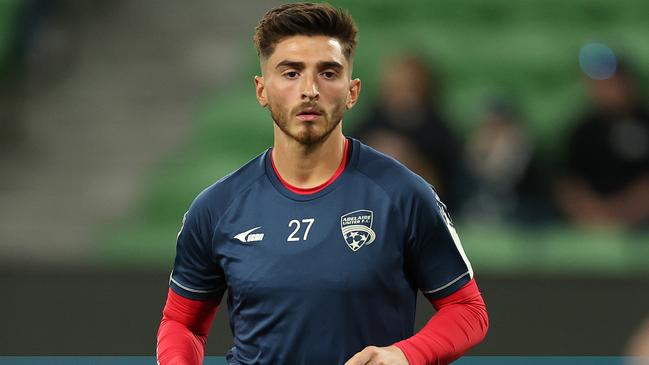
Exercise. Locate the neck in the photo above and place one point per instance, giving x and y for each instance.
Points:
(307, 166)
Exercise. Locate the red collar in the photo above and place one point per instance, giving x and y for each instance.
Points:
(313, 190)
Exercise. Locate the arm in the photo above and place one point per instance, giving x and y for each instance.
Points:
(581, 204)
(436, 261)
(183, 330)
(460, 323)
(631, 203)
(197, 284)
(638, 345)
(584, 206)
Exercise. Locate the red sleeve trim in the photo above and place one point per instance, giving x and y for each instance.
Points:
(183, 330)
(460, 323)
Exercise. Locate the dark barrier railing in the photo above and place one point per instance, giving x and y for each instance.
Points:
(114, 312)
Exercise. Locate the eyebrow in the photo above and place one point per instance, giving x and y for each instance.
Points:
(330, 64)
(301, 65)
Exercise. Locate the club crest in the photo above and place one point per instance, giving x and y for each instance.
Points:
(356, 228)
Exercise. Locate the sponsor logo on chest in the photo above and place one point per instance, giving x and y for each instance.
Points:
(248, 236)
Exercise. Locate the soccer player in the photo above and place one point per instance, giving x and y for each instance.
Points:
(321, 242)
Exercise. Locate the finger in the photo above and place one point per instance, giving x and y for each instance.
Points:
(361, 358)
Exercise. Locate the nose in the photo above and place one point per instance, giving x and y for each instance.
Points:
(310, 89)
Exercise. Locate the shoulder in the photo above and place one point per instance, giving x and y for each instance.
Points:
(393, 177)
(217, 197)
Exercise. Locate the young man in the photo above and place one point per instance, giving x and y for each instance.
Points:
(321, 241)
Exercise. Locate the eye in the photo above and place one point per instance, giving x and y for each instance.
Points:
(291, 74)
(329, 75)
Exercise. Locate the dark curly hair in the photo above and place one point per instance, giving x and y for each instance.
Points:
(305, 19)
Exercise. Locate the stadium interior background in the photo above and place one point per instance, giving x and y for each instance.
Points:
(115, 114)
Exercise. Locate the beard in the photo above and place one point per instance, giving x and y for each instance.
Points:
(308, 133)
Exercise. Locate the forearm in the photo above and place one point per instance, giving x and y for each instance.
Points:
(585, 206)
(631, 204)
(460, 323)
(183, 330)
(581, 204)
(177, 345)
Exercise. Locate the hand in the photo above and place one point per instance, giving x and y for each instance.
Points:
(373, 355)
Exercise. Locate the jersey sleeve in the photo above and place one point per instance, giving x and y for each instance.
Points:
(434, 255)
(196, 273)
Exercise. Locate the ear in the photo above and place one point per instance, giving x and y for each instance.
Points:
(260, 90)
(354, 92)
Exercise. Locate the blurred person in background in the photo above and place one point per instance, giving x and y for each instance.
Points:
(606, 177)
(407, 124)
(507, 181)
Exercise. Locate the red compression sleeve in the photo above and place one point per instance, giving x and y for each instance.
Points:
(183, 330)
(460, 323)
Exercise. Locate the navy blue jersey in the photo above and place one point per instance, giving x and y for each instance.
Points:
(313, 279)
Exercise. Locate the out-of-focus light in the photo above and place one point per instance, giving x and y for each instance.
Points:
(597, 60)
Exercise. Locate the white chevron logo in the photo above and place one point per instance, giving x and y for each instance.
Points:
(246, 236)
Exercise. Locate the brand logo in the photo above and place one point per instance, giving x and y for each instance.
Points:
(356, 228)
(248, 236)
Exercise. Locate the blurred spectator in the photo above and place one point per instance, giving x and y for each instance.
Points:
(406, 123)
(606, 180)
(507, 181)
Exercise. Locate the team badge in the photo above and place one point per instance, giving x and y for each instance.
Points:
(357, 228)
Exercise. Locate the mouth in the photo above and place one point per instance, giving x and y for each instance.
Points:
(309, 114)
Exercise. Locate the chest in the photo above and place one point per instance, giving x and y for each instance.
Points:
(623, 142)
(346, 243)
